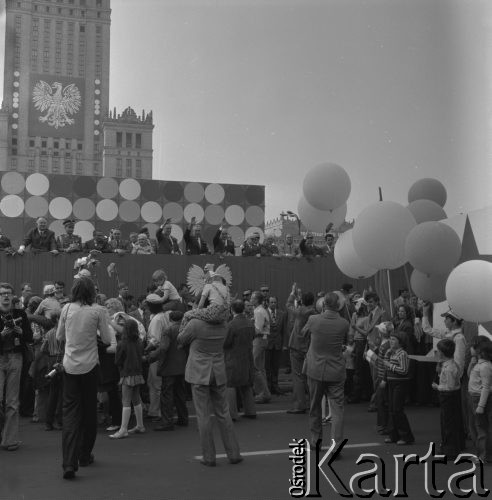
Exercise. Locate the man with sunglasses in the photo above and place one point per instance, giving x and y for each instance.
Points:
(15, 333)
(308, 248)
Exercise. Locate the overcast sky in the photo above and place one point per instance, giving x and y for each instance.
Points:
(260, 91)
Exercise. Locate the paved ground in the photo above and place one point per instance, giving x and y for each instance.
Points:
(160, 465)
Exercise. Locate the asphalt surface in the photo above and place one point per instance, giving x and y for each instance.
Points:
(164, 465)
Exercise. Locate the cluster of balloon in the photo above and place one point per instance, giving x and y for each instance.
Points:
(431, 247)
(326, 189)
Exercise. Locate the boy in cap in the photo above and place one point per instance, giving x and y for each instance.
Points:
(49, 305)
(69, 242)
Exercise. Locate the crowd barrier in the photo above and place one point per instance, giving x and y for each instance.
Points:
(136, 271)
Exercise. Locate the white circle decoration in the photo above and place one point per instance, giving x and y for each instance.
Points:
(234, 215)
(214, 194)
(193, 210)
(130, 189)
(107, 210)
(151, 211)
(12, 205)
(84, 229)
(37, 184)
(60, 208)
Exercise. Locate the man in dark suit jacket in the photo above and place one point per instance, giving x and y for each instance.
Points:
(325, 366)
(195, 244)
(278, 328)
(4, 241)
(171, 368)
(40, 239)
(238, 356)
(167, 244)
(117, 244)
(98, 243)
(222, 244)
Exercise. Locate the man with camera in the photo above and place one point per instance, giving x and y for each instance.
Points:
(15, 334)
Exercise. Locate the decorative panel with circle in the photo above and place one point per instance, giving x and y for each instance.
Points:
(193, 192)
(12, 205)
(152, 229)
(193, 210)
(130, 189)
(37, 184)
(107, 187)
(214, 214)
(254, 215)
(129, 211)
(234, 215)
(173, 211)
(84, 209)
(151, 211)
(128, 227)
(208, 234)
(84, 229)
(84, 186)
(128, 203)
(13, 183)
(36, 206)
(237, 235)
(214, 193)
(60, 208)
(107, 210)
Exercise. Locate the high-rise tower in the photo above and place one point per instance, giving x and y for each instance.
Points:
(56, 85)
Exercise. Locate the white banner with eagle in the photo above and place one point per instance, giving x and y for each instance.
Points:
(56, 106)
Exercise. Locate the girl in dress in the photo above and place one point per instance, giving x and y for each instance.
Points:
(129, 352)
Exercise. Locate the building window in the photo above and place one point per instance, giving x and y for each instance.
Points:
(138, 169)
(119, 167)
(82, 28)
(14, 141)
(30, 165)
(96, 169)
(128, 167)
(79, 168)
(31, 143)
(43, 144)
(56, 144)
(138, 141)
(119, 139)
(98, 3)
(13, 164)
(44, 164)
(55, 166)
(68, 155)
(14, 151)
(128, 140)
(79, 146)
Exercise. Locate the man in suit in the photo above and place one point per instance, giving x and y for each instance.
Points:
(171, 369)
(118, 245)
(195, 244)
(205, 371)
(222, 244)
(308, 248)
(288, 248)
(40, 239)
(252, 246)
(167, 244)
(278, 325)
(4, 241)
(326, 334)
(298, 346)
(99, 243)
(69, 242)
(238, 355)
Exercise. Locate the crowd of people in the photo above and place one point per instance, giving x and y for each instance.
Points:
(74, 361)
(42, 239)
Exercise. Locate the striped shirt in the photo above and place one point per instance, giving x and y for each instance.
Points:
(381, 352)
(398, 369)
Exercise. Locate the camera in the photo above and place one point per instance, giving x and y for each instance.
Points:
(10, 322)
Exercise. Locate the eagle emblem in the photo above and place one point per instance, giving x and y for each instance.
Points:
(57, 102)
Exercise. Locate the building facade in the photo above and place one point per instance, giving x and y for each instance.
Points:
(56, 89)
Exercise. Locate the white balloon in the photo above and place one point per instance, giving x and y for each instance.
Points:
(326, 186)
(380, 233)
(317, 220)
(347, 259)
(469, 291)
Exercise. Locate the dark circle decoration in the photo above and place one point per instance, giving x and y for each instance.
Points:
(61, 185)
(84, 186)
(173, 191)
(151, 190)
(255, 195)
(234, 194)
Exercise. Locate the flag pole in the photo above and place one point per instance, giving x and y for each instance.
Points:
(390, 300)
